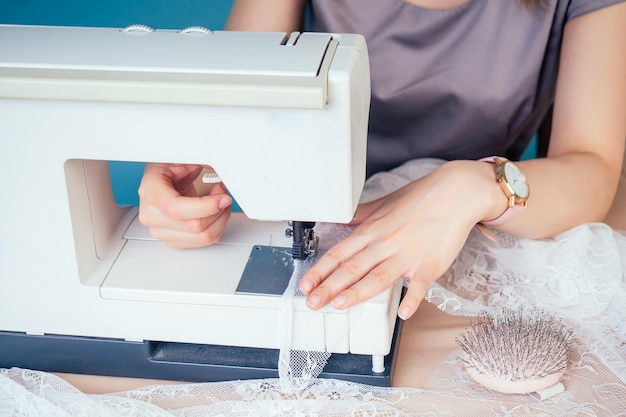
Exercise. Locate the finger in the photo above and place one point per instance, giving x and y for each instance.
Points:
(176, 238)
(204, 225)
(195, 215)
(330, 261)
(158, 189)
(189, 208)
(378, 280)
(177, 176)
(219, 189)
(345, 276)
(416, 291)
(375, 281)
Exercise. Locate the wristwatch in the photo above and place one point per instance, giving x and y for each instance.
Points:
(514, 185)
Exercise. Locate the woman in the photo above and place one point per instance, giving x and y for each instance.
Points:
(459, 80)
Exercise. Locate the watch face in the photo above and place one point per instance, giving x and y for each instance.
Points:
(516, 180)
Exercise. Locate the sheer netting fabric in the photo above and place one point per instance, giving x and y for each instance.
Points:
(577, 276)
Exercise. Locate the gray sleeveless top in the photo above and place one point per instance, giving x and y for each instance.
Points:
(463, 83)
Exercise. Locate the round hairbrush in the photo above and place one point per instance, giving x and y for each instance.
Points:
(516, 351)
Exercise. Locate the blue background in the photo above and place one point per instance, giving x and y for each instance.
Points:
(159, 14)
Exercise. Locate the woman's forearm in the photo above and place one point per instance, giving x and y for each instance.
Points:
(565, 191)
(266, 15)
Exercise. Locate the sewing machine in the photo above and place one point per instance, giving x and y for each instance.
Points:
(282, 118)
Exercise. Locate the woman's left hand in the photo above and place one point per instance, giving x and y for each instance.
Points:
(415, 232)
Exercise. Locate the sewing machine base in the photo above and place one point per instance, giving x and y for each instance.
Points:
(172, 361)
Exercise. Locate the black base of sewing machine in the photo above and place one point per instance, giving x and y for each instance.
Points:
(171, 361)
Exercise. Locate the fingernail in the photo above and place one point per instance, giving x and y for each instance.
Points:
(306, 286)
(339, 301)
(224, 202)
(314, 301)
(404, 312)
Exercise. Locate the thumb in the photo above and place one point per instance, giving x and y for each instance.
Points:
(219, 192)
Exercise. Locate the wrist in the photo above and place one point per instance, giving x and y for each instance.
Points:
(491, 193)
(482, 195)
(512, 182)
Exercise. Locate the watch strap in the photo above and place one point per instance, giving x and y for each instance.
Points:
(508, 214)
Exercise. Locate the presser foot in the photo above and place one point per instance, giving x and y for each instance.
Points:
(305, 242)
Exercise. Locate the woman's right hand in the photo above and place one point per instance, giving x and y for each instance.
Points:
(170, 206)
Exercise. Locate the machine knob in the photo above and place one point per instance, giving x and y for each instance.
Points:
(138, 28)
(196, 29)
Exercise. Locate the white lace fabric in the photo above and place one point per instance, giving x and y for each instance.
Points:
(297, 369)
(577, 276)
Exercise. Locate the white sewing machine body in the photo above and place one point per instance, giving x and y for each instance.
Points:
(282, 119)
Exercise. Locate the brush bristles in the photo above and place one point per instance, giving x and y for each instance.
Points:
(516, 345)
